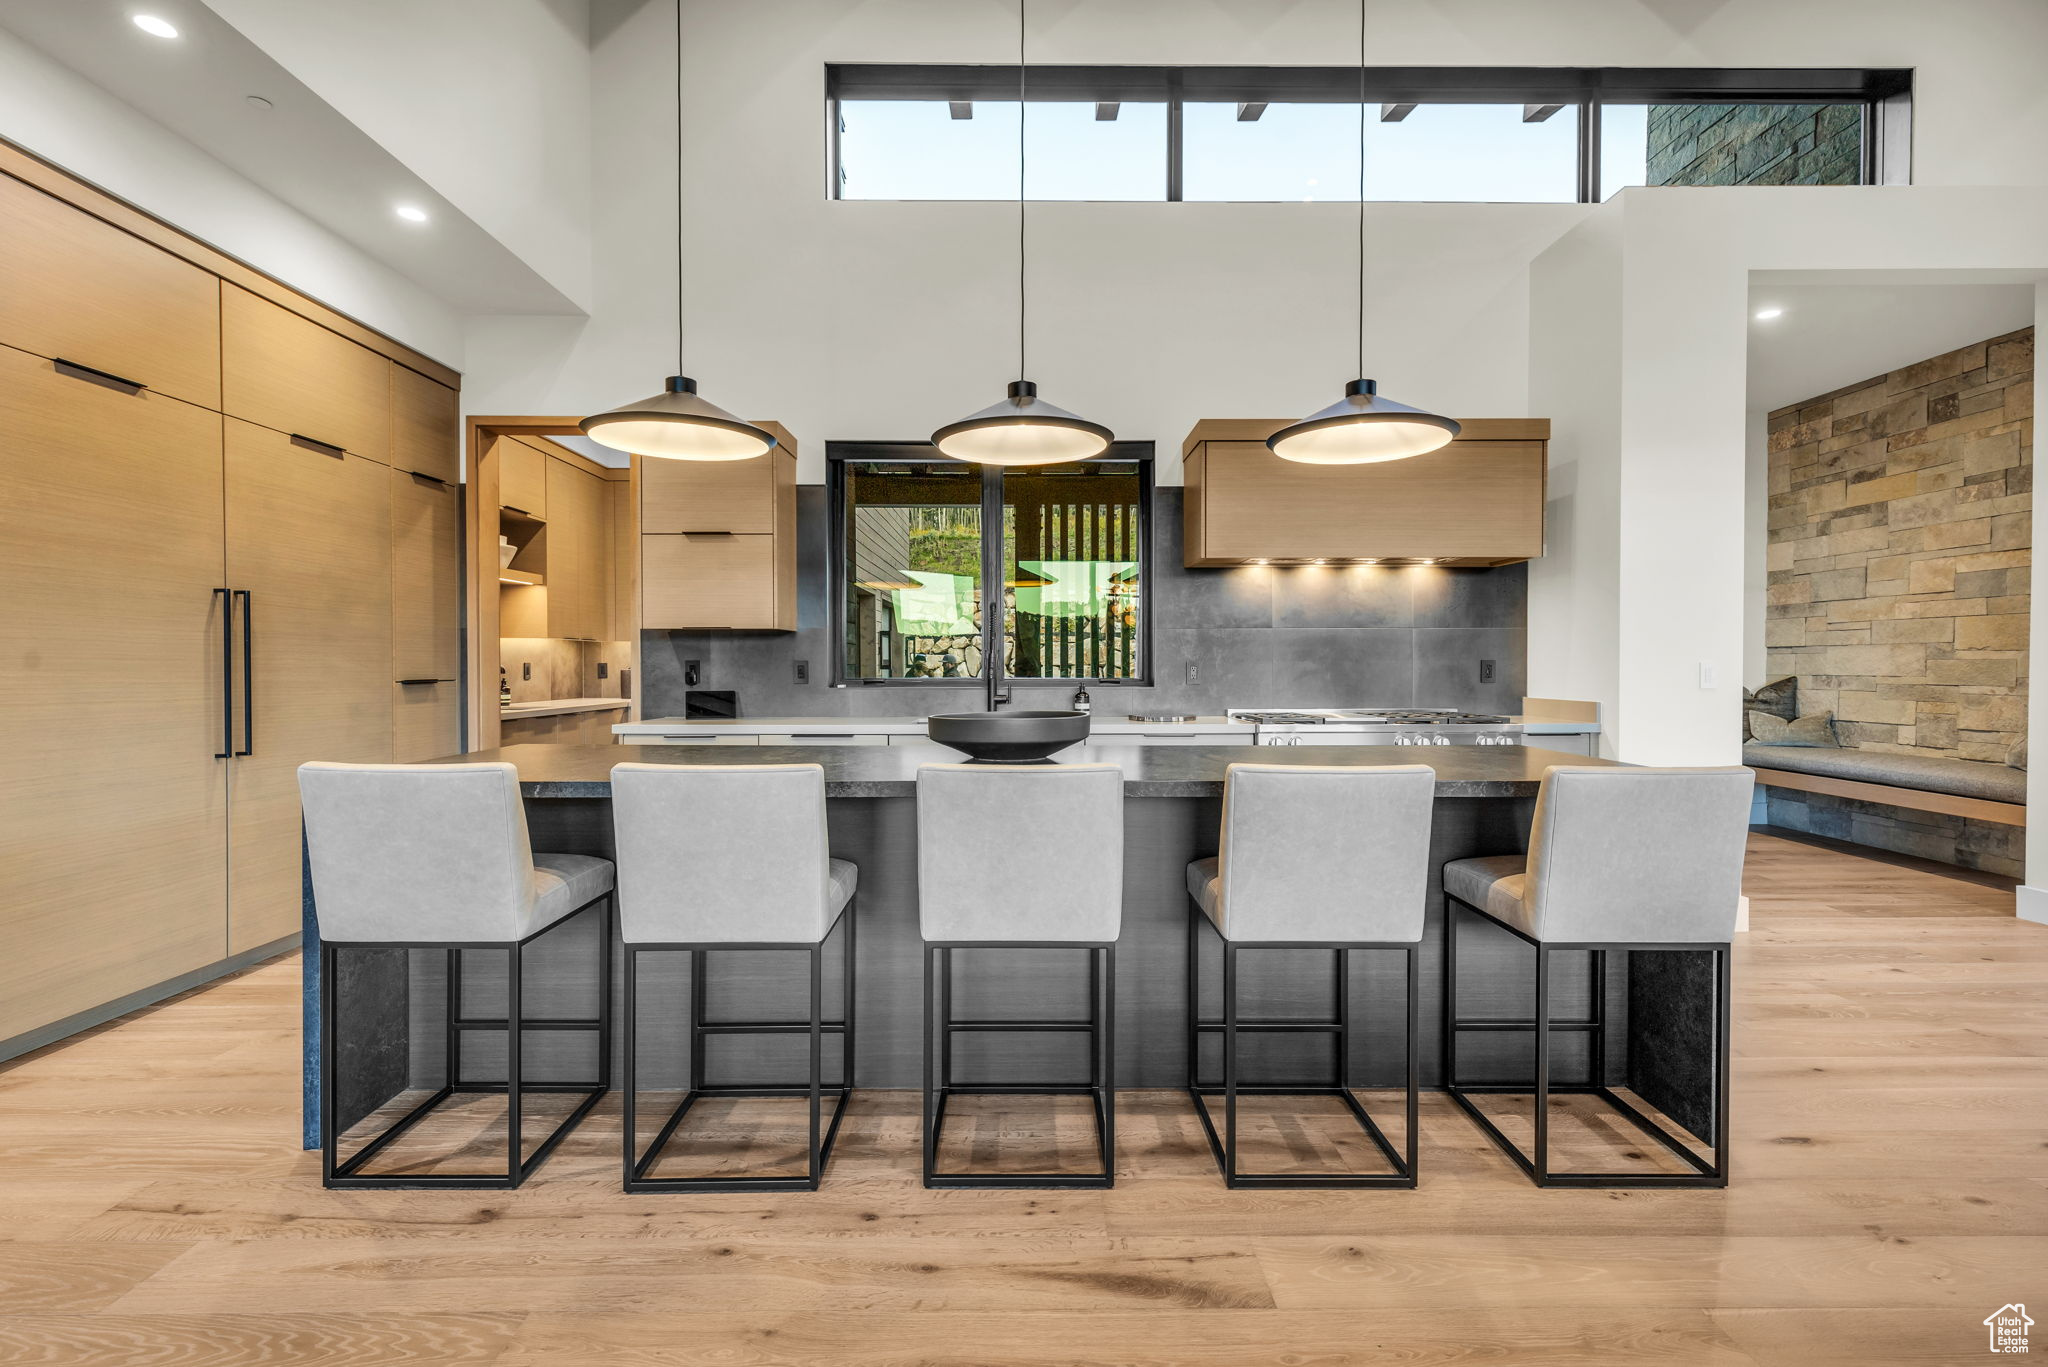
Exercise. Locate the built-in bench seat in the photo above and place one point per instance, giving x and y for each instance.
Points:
(1975, 789)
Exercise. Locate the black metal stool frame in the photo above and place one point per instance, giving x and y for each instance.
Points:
(822, 1133)
(939, 1086)
(347, 1172)
(1224, 1146)
(1706, 1172)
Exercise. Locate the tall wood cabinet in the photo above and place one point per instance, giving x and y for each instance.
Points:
(718, 541)
(233, 545)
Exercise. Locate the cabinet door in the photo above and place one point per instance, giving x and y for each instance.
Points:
(425, 425)
(707, 581)
(522, 477)
(113, 807)
(710, 495)
(81, 290)
(579, 519)
(292, 375)
(426, 617)
(309, 537)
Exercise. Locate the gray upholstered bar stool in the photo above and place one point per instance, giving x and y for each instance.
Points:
(1619, 859)
(1323, 858)
(1008, 859)
(718, 858)
(436, 856)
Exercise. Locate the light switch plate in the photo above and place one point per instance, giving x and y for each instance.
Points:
(526, 670)
(1710, 677)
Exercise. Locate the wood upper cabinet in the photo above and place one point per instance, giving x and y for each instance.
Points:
(579, 553)
(78, 289)
(522, 476)
(424, 425)
(309, 538)
(113, 804)
(718, 548)
(1477, 501)
(289, 374)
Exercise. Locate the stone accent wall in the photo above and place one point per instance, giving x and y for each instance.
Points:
(1900, 540)
(1755, 144)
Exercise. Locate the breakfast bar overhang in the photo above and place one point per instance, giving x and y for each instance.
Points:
(1659, 1006)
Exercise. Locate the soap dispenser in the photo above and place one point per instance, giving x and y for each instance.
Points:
(1081, 703)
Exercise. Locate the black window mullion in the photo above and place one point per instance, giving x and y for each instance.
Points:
(1175, 145)
(1589, 149)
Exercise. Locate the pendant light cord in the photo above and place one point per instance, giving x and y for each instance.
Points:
(678, 187)
(1022, 7)
(1360, 372)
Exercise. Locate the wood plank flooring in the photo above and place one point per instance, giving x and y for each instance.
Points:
(1891, 1190)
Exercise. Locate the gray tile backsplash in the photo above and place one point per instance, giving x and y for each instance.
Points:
(1257, 636)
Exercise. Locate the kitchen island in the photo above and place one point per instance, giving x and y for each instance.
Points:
(393, 999)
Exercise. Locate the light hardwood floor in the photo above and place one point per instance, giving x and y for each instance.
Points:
(1891, 1190)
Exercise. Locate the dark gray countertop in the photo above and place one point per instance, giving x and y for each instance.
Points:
(560, 771)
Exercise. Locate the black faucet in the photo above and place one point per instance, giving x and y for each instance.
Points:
(998, 690)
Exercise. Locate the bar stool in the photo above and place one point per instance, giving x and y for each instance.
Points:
(436, 857)
(1619, 859)
(1326, 858)
(721, 858)
(1009, 859)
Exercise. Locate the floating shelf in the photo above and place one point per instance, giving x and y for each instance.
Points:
(521, 577)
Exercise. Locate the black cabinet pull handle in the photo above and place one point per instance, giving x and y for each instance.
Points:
(248, 675)
(227, 676)
(510, 509)
(430, 479)
(407, 683)
(325, 448)
(106, 377)
(709, 533)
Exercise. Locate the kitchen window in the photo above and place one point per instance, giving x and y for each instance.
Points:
(1442, 134)
(923, 546)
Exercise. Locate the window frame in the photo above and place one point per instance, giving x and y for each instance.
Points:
(1883, 94)
(839, 454)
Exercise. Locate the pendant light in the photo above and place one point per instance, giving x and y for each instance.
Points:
(1362, 428)
(1022, 429)
(677, 424)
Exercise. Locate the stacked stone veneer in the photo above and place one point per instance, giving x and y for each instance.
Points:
(1901, 533)
(1755, 144)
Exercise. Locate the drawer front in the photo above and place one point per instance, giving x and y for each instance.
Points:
(691, 738)
(281, 371)
(1163, 738)
(822, 738)
(77, 289)
(690, 581)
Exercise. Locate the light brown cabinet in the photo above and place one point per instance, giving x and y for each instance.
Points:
(112, 801)
(78, 289)
(309, 544)
(522, 477)
(423, 426)
(292, 375)
(579, 553)
(426, 620)
(199, 603)
(718, 542)
(1477, 501)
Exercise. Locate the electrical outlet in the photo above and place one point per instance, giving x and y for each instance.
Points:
(802, 671)
(1710, 677)
(526, 671)
(1194, 673)
(604, 671)
(693, 673)
(1486, 671)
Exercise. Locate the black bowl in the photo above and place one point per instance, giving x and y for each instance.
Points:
(1009, 737)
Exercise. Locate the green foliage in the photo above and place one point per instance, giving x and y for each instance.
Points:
(944, 552)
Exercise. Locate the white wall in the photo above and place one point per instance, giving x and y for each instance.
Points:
(71, 122)
(488, 101)
(850, 320)
(1677, 529)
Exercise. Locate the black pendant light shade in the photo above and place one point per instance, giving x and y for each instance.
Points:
(678, 425)
(1361, 429)
(1022, 430)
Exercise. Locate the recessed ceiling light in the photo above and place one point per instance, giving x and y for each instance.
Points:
(411, 213)
(256, 102)
(1765, 315)
(149, 23)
